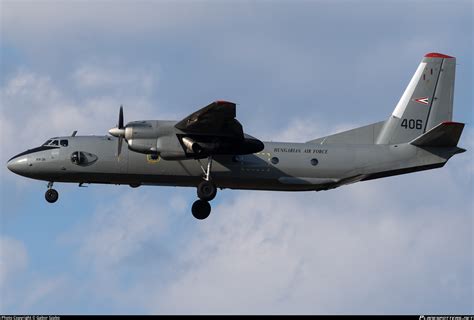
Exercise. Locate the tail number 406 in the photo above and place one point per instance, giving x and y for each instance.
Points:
(412, 124)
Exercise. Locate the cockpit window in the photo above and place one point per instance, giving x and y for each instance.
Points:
(53, 142)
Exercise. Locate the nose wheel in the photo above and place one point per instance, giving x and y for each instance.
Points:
(51, 194)
(206, 191)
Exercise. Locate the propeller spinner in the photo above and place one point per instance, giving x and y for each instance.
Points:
(119, 131)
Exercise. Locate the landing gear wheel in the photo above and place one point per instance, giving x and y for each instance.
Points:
(201, 209)
(51, 195)
(206, 191)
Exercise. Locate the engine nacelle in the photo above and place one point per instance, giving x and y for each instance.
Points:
(147, 146)
(169, 148)
(141, 136)
(153, 137)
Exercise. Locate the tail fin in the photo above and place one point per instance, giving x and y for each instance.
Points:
(426, 102)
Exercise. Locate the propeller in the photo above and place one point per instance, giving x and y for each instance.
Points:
(119, 131)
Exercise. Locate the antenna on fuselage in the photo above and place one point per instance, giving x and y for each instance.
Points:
(74, 133)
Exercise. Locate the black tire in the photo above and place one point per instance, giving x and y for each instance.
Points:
(206, 191)
(201, 209)
(51, 195)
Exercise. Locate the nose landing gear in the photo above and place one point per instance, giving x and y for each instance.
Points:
(51, 194)
(206, 191)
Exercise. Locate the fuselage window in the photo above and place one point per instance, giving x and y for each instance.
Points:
(63, 143)
(78, 157)
(314, 162)
(46, 143)
(274, 160)
(54, 143)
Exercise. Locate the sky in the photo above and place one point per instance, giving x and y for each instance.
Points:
(298, 70)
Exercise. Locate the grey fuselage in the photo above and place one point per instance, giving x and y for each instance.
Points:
(279, 166)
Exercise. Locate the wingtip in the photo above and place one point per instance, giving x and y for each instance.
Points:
(437, 55)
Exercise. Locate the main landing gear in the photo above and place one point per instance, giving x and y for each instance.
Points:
(51, 194)
(206, 191)
(201, 209)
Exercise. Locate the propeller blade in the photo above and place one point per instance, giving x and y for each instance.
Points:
(119, 132)
(120, 122)
(119, 150)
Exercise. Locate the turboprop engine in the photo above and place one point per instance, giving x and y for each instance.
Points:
(160, 137)
(149, 137)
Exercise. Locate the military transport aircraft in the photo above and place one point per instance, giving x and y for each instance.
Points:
(209, 149)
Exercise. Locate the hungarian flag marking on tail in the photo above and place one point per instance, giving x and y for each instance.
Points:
(423, 100)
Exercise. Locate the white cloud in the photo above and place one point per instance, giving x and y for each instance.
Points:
(287, 253)
(17, 274)
(41, 292)
(113, 76)
(118, 231)
(13, 259)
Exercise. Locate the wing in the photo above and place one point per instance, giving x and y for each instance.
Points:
(216, 119)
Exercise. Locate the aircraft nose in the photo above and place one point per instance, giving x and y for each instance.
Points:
(18, 165)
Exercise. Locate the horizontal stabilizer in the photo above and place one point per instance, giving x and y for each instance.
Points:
(445, 134)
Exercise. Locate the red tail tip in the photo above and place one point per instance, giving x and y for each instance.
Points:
(437, 55)
(451, 123)
(223, 102)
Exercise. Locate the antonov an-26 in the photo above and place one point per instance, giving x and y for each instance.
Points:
(209, 149)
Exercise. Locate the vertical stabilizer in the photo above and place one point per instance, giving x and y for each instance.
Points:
(426, 102)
